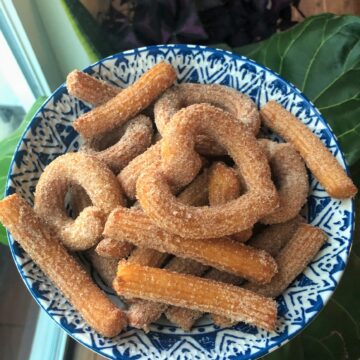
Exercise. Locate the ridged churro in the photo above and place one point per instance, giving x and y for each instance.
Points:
(292, 259)
(128, 103)
(142, 313)
(317, 157)
(63, 270)
(196, 193)
(113, 249)
(289, 174)
(136, 138)
(101, 186)
(222, 253)
(196, 293)
(90, 89)
(179, 163)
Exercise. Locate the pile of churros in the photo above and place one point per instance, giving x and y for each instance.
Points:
(180, 203)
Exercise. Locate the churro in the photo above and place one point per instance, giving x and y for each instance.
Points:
(101, 186)
(128, 103)
(224, 186)
(113, 249)
(317, 157)
(63, 270)
(133, 140)
(222, 253)
(292, 259)
(196, 293)
(224, 97)
(105, 267)
(89, 89)
(289, 174)
(143, 312)
(179, 163)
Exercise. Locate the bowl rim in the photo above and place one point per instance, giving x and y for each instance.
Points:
(59, 90)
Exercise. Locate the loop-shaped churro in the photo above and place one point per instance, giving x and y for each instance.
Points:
(133, 140)
(290, 178)
(99, 183)
(180, 163)
(128, 103)
(224, 97)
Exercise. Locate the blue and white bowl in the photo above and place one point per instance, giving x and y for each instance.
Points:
(51, 134)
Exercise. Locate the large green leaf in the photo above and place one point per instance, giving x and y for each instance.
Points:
(7, 148)
(321, 56)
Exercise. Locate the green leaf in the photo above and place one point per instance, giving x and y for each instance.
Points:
(321, 56)
(7, 148)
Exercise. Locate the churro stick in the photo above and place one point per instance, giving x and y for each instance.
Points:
(222, 253)
(143, 312)
(292, 259)
(113, 249)
(271, 239)
(61, 268)
(317, 157)
(128, 103)
(105, 267)
(185, 318)
(195, 293)
(224, 186)
(90, 89)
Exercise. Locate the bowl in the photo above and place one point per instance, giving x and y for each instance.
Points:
(51, 134)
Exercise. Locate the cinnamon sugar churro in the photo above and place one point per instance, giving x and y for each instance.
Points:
(222, 253)
(224, 186)
(135, 140)
(113, 249)
(292, 259)
(290, 177)
(101, 187)
(128, 103)
(62, 269)
(90, 89)
(317, 157)
(155, 196)
(196, 293)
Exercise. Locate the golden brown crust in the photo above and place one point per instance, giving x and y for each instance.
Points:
(89, 89)
(195, 293)
(222, 253)
(100, 185)
(62, 269)
(317, 157)
(128, 103)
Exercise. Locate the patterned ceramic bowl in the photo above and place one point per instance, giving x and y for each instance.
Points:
(50, 134)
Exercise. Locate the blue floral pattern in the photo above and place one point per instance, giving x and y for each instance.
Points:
(50, 134)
